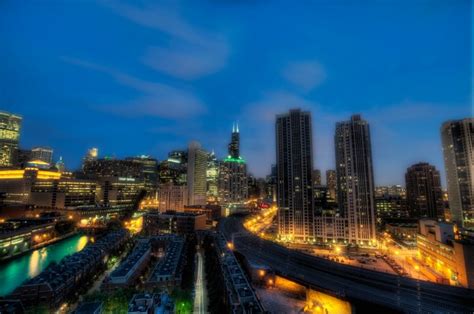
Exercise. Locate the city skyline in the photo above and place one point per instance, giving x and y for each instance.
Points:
(179, 156)
(405, 108)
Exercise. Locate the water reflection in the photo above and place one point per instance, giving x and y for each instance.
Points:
(14, 272)
(34, 262)
(82, 243)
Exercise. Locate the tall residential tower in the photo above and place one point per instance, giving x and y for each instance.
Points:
(355, 178)
(294, 156)
(458, 148)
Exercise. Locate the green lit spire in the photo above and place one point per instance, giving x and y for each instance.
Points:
(239, 159)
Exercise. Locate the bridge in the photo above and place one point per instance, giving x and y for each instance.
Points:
(355, 284)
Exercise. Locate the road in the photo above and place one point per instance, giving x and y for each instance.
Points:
(200, 297)
(353, 283)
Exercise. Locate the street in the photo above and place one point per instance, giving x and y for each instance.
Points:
(200, 297)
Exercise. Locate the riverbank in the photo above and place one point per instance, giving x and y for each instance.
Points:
(38, 246)
(14, 272)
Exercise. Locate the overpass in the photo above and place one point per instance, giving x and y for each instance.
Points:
(351, 283)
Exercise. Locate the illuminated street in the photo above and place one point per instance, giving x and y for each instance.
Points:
(200, 297)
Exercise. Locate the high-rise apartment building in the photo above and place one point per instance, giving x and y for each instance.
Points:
(10, 125)
(294, 156)
(458, 148)
(196, 174)
(355, 178)
(424, 194)
(233, 183)
(42, 153)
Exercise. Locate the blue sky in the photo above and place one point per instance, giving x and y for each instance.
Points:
(147, 77)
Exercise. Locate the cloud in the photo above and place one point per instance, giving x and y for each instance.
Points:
(273, 103)
(191, 52)
(187, 61)
(416, 111)
(305, 74)
(157, 99)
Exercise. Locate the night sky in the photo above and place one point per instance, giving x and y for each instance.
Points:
(146, 78)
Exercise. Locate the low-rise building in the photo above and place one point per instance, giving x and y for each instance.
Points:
(129, 270)
(449, 257)
(329, 228)
(59, 190)
(174, 222)
(241, 297)
(20, 235)
(402, 230)
(58, 281)
(148, 303)
(168, 271)
(172, 197)
(90, 308)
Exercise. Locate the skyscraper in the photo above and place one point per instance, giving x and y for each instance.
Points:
(212, 177)
(355, 178)
(196, 176)
(331, 183)
(234, 145)
(149, 171)
(92, 155)
(294, 156)
(424, 194)
(233, 184)
(458, 148)
(42, 153)
(10, 125)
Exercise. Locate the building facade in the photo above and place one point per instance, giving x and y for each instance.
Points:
(212, 178)
(317, 177)
(447, 258)
(42, 153)
(111, 167)
(196, 174)
(233, 183)
(294, 156)
(10, 126)
(424, 194)
(172, 197)
(355, 179)
(331, 184)
(148, 171)
(458, 148)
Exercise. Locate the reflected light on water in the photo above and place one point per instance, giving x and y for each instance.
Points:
(82, 243)
(33, 265)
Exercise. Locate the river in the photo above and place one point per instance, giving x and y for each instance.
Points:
(14, 272)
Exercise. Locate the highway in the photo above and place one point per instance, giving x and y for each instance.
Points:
(352, 283)
(200, 297)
